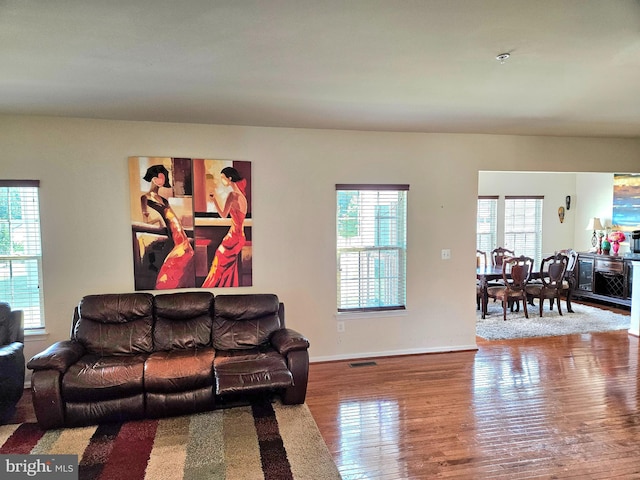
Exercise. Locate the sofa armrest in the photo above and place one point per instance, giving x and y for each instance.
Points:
(59, 356)
(287, 340)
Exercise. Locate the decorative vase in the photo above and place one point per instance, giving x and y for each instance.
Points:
(606, 247)
(616, 246)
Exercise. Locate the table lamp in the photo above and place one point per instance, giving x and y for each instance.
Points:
(594, 224)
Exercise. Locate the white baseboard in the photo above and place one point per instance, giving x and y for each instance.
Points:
(354, 356)
(391, 353)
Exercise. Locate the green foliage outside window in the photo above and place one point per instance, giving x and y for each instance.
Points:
(10, 210)
(347, 214)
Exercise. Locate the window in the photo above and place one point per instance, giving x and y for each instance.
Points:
(523, 226)
(20, 250)
(371, 247)
(487, 223)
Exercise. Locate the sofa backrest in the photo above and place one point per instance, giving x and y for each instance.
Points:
(5, 317)
(183, 320)
(244, 321)
(115, 324)
(11, 328)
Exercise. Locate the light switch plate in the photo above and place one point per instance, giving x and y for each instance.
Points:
(446, 254)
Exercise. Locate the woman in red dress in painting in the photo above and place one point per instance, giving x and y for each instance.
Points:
(178, 269)
(224, 269)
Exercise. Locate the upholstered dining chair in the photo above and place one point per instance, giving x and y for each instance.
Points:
(499, 254)
(481, 258)
(12, 365)
(552, 270)
(515, 275)
(569, 282)
(481, 261)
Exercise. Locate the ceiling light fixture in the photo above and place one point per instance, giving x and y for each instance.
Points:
(502, 58)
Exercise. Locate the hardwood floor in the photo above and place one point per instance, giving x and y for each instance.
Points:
(557, 407)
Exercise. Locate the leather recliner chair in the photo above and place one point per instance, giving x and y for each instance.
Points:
(12, 365)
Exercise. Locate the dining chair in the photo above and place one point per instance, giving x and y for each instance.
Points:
(481, 261)
(499, 254)
(497, 257)
(552, 271)
(515, 275)
(481, 258)
(569, 282)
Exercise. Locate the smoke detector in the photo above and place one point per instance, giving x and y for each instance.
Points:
(503, 57)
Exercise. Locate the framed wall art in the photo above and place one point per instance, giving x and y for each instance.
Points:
(191, 223)
(626, 201)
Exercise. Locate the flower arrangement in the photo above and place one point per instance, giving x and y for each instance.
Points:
(617, 236)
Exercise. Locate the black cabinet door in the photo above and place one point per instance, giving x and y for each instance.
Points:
(585, 274)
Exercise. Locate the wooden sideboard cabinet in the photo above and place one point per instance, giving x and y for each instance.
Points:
(605, 278)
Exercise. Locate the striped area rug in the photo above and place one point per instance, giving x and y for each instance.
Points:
(261, 441)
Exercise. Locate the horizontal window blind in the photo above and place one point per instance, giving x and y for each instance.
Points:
(523, 226)
(20, 250)
(371, 247)
(487, 223)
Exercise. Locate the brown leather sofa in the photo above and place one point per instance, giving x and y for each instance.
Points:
(136, 355)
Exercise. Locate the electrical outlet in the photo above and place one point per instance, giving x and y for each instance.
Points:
(340, 327)
(446, 254)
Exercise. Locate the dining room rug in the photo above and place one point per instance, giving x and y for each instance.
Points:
(585, 319)
(261, 441)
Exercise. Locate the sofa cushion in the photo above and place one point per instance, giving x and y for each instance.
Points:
(179, 370)
(244, 321)
(116, 410)
(183, 320)
(94, 378)
(115, 324)
(248, 370)
(178, 403)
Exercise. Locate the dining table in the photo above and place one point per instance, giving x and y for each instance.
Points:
(488, 273)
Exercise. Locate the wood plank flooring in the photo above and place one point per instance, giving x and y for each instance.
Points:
(545, 408)
(555, 407)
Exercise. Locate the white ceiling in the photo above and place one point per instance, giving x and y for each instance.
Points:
(410, 65)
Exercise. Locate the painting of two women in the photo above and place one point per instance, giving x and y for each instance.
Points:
(191, 222)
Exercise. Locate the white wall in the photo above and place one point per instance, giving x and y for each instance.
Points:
(595, 194)
(591, 196)
(553, 186)
(82, 165)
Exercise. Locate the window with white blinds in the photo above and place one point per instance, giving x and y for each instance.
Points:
(487, 223)
(371, 224)
(523, 225)
(20, 250)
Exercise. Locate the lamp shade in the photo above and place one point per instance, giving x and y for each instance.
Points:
(594, 224)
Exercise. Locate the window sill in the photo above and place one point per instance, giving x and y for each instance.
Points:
(35, 335)
(371, 314)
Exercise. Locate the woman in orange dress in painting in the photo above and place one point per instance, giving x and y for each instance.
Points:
(178, 268)
(224, 268)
